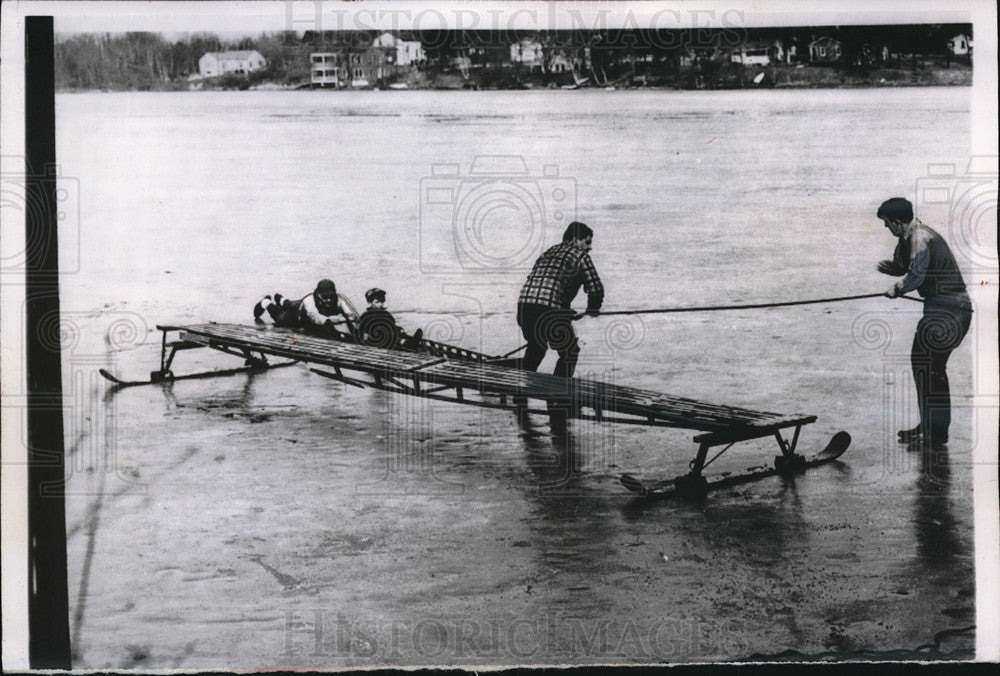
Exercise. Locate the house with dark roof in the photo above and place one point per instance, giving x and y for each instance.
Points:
(824, 50)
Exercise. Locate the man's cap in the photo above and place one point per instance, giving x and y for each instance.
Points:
(373, 293)
(577, 230)
(896, 208)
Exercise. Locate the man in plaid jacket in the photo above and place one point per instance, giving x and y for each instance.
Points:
(543, 308)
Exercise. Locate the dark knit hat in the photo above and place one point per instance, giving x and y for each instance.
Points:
(326, 286)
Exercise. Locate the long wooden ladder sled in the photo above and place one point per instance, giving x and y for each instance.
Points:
(447, 373)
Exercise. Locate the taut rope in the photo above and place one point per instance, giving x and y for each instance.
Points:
(711, 308)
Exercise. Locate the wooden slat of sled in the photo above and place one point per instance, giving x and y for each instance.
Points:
(608, 396)
(493, 379)
(610, 399)
(309, 348)
(762, 429)
(624, 395)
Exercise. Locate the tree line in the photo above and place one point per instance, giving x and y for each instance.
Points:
(146, 61)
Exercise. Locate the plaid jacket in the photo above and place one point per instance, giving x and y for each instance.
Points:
(557, 277)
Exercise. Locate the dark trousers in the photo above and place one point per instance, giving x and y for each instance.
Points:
(544, 327)
(938, 333)
(286, 314)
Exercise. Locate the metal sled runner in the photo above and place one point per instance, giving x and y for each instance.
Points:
(467, 377)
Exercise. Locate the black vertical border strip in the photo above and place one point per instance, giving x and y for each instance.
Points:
(48, 598)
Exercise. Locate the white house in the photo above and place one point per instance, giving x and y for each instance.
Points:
(560, 63)
(241, 62)
(824, 50)
(326, 70)
(960, 45)
(528, 53)
(408, 52)
(751, 55)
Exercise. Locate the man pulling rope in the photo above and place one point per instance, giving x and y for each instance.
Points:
(924, 261)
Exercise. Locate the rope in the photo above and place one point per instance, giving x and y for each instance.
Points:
(514, 351)
(711, 308)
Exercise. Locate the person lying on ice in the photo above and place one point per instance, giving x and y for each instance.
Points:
(316, 310)
(378, 327)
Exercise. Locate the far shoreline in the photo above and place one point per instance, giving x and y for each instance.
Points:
(925, 73)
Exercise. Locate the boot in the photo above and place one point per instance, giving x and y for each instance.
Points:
(926, 442)
(906, 436)
(261, 307)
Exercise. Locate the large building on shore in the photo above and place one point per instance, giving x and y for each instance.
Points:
(326, 69)
(403, 53)
(213, 64)
(366, 64)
